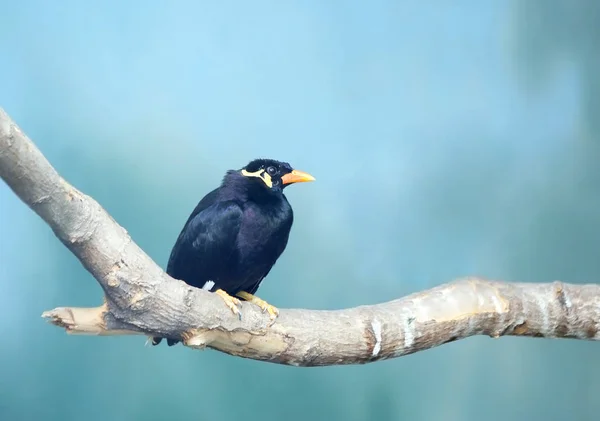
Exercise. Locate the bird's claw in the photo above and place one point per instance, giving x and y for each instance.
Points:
(264, 306)
(230, 302)
(272, 310)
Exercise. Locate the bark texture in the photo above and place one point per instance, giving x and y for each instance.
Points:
(140, 298)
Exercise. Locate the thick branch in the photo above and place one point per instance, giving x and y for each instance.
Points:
(142, 299)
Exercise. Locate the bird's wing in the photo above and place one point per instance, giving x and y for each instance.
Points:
(206, 201)
(206, 243)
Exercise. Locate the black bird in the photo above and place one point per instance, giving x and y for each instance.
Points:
(236, 233)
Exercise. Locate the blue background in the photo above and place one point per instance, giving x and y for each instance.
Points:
(447, 140)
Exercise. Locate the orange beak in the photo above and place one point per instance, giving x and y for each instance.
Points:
(297, 177)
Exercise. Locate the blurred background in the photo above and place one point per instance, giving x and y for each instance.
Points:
(449, 140)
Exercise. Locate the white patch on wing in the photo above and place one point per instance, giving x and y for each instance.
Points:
(208, 285)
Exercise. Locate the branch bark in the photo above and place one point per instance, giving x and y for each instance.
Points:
(140, 298)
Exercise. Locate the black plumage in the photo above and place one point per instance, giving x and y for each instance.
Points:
(236, 233)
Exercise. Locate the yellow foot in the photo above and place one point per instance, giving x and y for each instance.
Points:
(273, 312)
(230, 301)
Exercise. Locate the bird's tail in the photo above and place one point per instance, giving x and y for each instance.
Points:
(170, 342)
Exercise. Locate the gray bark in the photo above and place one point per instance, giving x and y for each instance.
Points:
(140, 298)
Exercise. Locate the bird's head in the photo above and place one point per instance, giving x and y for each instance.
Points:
(273, 175)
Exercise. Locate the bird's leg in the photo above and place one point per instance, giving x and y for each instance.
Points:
(272, 310)
(230, 301)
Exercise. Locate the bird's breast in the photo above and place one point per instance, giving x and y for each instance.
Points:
(263, 234)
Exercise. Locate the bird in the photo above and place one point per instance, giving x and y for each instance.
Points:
(236, 233)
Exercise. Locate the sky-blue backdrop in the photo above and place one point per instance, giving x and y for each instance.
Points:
(447, 140)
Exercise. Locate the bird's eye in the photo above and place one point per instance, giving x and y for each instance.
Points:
(272, 170)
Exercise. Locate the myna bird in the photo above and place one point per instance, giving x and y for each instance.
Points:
(236, 233)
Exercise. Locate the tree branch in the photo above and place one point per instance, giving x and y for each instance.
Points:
(140, 298)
